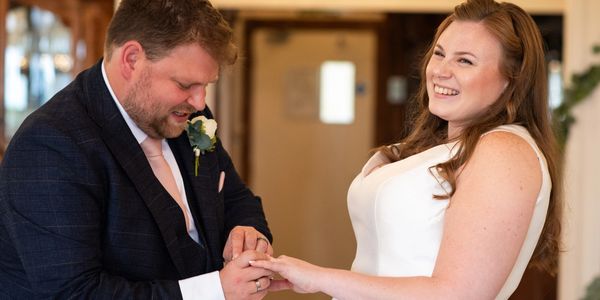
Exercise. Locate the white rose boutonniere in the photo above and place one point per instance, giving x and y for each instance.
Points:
(201, 132)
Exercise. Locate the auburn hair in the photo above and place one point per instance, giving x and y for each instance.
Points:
(524, 102)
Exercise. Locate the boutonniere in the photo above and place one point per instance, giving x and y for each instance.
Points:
(201, 132)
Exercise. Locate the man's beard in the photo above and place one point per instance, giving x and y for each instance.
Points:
(149, 114)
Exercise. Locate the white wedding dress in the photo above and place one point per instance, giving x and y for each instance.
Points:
(398, 225)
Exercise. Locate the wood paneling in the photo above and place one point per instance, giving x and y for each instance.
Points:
(404, 40)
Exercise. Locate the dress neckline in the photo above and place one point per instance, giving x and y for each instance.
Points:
(379, 161)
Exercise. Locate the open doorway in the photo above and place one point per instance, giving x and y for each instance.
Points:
(301, 154)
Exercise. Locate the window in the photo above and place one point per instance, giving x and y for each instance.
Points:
(337, 92)
(37, 62)
(555, 84)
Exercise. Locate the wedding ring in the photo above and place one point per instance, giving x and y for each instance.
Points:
(264, 239)
(258, 286)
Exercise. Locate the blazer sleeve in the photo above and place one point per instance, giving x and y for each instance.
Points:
(52, 209)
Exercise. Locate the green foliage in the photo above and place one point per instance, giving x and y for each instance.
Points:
(593, 290)
(198, 137)
(582, 85)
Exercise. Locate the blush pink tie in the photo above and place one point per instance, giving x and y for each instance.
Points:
(153, 150)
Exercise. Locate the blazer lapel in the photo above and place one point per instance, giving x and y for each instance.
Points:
(128, 153)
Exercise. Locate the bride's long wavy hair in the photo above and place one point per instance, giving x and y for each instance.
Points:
(523, 102)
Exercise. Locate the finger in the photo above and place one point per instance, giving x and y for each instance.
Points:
(263, 282)
(254, 272)
(260, 272)
(262, 245)
(255, 286)
(270, 264)
(250, 239)
(227, 251)
(279, 285)
(243, 260)
(259, 285)
(237, 243)
(259, 295)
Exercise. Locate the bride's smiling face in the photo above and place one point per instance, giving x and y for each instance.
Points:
(463, 74)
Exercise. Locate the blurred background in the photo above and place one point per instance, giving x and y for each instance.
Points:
(318, 85)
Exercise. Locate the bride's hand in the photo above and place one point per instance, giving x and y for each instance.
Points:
(300, 276)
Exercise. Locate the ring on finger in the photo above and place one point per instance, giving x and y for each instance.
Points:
(258, 285)
(264, 239)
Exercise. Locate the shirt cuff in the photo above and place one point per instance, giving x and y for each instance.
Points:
(205, 286)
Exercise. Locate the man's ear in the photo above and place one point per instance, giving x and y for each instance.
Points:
(131, 55)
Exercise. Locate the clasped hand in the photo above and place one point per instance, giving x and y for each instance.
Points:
(298, 275)
(239, 279)
(249, 268)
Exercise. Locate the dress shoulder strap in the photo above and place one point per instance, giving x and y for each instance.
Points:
(524, 134)
(521, 132)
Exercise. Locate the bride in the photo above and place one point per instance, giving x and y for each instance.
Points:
(463, 205)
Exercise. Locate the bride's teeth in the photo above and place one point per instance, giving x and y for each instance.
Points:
(445, 91)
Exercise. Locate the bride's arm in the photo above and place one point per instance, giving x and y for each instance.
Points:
(484, 229)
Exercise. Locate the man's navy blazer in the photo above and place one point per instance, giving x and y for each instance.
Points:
(83, 216)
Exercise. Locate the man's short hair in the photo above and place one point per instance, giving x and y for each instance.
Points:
(162, 25)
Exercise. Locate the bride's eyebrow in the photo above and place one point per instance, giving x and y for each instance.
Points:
(457, 52)
(465, 53)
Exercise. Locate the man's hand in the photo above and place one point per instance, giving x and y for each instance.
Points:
(242, 238)
(240, 280)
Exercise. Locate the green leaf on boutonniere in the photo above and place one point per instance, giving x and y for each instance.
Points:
(201, 133)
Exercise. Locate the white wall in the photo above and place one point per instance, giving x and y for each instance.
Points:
(581, 261)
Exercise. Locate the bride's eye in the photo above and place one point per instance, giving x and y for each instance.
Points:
(465, 61)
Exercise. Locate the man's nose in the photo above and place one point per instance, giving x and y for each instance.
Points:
(197, 98)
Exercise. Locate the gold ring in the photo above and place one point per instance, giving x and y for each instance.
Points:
(258, 286)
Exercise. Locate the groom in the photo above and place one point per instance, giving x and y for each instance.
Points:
(86, 213)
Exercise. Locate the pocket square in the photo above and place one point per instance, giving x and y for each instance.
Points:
(221, 181)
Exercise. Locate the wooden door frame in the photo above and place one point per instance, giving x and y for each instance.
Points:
(251, 27)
